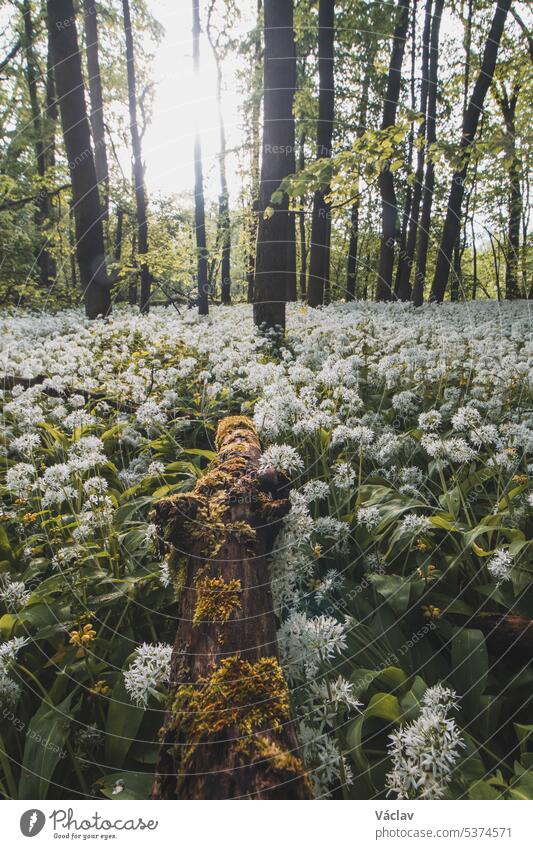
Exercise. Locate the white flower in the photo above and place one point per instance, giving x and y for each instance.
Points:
(282, 458)
(14, 594)
(425, 751)
(26, 443)
(306, 642)
(149, 669)
(430, 420)
(156, 468)
(343, 476)
(369, 517)
(466, 418)
(413, 524)
(151, 414)
(499, 566)
(19, 479)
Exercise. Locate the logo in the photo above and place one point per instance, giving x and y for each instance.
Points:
(32, 822)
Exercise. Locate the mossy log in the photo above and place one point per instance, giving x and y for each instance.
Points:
(228, 731)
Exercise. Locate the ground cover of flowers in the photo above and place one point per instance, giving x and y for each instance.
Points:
(407, 435)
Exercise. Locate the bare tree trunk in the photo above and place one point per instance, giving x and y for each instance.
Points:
(47, 265)
(301, 225)
(512, 260)
(353, 249)
(400, 291)
(138, 166)
(470, 123)
(228, 733)
(405, 264)
(97, 102)
(77, 137)
(276, 228)
(256, 164)
(199, 200)
(321, 221)
(429, 179)
(389, 204)
(224, 222)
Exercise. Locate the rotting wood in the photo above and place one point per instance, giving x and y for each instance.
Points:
(228, 731)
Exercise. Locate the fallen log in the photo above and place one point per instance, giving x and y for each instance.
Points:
(228, 731)
(8, 382)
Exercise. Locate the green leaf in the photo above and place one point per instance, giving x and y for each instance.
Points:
(470, 666)
(46, 736)
(123, 723)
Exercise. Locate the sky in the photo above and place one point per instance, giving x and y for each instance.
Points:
(179, 100)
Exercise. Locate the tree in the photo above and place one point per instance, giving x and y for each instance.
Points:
(224, 221)
(199, 200)
(46, 263)
(278, 161)
(90, 249)
(138, 165)
(90, 16)
(508, 103)
(470, 123)
(389, 204)
(429, 179)
(321, 222)
(406, 262)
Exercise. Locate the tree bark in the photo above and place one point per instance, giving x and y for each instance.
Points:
(256, 161)
(199, 199)
(470, 124)
(77, 137)
(406, 263)
(429, 179)
(228, 731)
(389, 204)
(319, 258)
(353, 248)
(138, 166)
(508, 106)
(90, 14)
(301, 225)
(275, 234)
(224, 222)
(46, 264)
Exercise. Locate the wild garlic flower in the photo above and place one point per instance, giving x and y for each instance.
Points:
(149, 669)
(425, 751)
(499, 566)
(369, 517)
(14, 594)
(306, 642)
(430, 421)
(282, 458)
(343, 476)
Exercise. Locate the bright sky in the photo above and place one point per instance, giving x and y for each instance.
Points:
(179, 101)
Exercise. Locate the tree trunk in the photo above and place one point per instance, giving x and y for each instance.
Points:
(405, 263)
(96, 100)
(228, 733)
(401, 292)
(429, 179)
(77, 137)
(224, 222)
(470, 123)
(389, 204)
(199, 199)
(301, 225)
(321, 220)
(138, 166)
(353, 249)
(46, 264)
(272, 275)
(508, 108)
(256, 161)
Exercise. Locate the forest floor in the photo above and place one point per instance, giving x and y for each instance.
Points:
(406, 435)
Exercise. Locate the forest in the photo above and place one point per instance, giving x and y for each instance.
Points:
(266, 381)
